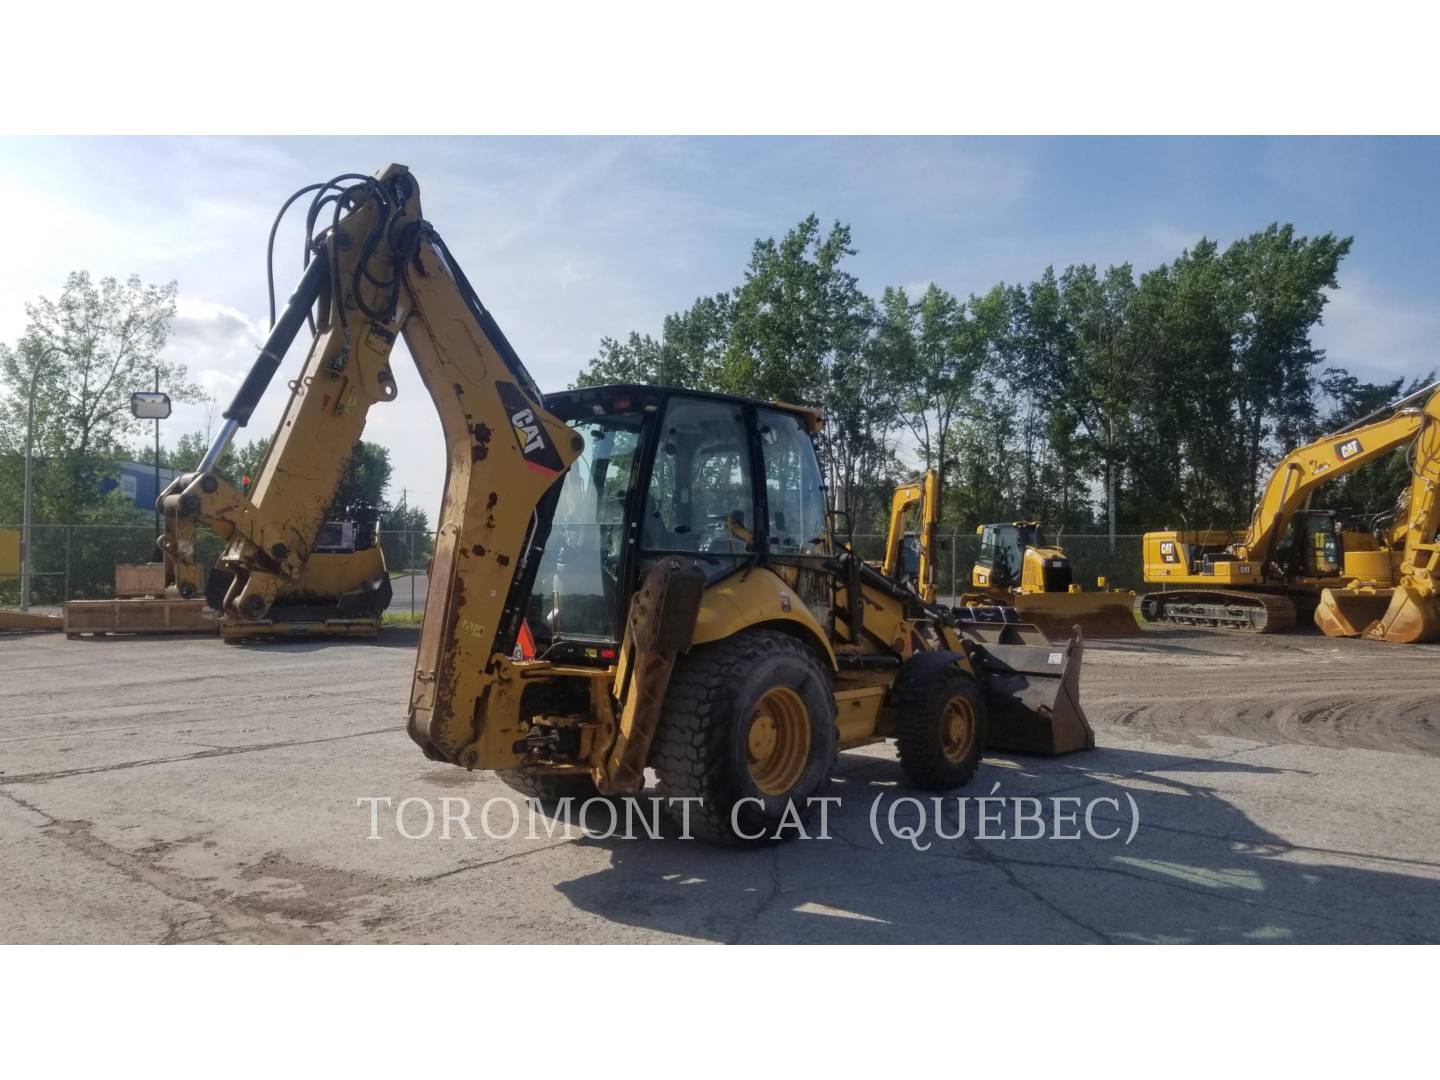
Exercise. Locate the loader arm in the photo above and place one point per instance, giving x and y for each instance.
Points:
(1307, 468)
(382, 272)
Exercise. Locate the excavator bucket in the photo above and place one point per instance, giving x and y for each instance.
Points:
(1411, 617)
(1031, 686)
(1347, 612)
(1098, 614)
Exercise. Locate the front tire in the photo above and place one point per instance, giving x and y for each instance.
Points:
(749, 729)
(940, 730)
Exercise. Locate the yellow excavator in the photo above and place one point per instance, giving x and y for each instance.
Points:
(1271, 576)
(1408, 610)
(668, 554)
(910, 554)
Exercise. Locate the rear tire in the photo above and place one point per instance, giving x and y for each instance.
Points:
(749, 729)
(940, 731)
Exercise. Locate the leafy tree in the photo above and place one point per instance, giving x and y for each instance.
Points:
(1278, 283)
(86, 352)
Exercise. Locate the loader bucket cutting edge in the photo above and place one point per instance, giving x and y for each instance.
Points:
(1099, 614)
(1348, 612)
(1032, 689)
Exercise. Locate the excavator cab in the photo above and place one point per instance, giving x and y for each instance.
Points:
(1312, 547)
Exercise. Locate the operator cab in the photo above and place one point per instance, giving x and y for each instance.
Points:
(1313, 546)
(1002, 550)
(726, 481)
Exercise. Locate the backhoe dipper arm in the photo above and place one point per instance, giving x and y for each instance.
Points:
(382, 271)
(1328, 458)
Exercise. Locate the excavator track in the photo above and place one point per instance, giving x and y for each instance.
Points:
(1228, 609)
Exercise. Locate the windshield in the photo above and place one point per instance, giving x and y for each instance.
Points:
(577, 586)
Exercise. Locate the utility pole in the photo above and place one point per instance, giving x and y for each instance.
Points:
(158, 555)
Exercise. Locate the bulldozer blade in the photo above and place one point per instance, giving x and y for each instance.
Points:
(1098, 614)
(1348, 612)
(1031, 687)
(1411, 617)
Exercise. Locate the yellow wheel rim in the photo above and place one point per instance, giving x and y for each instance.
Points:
(778, 742)
(957, 729)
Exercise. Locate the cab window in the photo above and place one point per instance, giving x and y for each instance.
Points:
(700, 499)
(794, 493)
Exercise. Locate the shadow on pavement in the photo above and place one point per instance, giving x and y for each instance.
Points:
(1197, 870)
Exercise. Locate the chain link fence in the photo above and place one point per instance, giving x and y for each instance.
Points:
(77, 562)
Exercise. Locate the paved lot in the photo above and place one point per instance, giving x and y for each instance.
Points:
(184, 790)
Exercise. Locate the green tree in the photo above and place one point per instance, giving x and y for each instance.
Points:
(1278, 282)
(87, 352)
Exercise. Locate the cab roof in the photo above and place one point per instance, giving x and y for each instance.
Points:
(621, 397)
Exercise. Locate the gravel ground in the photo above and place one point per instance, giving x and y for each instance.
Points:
(175, 790)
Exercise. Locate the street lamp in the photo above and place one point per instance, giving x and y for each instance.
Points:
(153, 405)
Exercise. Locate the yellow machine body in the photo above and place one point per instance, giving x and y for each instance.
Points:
(1391, 594)
(910, 552)
(1018, 566)
(624, 577)
(9, 570)
(1271, 575)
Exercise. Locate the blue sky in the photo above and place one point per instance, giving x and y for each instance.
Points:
(568, 240)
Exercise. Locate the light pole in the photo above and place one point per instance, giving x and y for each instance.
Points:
(148, 405)
(25, 511)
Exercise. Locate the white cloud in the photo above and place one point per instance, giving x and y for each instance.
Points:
(1376, 334)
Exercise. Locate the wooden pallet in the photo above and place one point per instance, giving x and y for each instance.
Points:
(163, 616)
(140, 579)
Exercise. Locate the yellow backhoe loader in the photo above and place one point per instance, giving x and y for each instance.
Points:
(1270, 577)
(1018, 566)
(1409, 611)
(669, 554)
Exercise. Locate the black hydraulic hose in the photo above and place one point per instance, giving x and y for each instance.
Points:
(282, 334)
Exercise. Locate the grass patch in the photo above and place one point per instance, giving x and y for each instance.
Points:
(402, 618)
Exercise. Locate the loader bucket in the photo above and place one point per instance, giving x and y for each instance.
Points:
(1411, 617)
(1098, 614)
(1031, 687)
(1347, 612)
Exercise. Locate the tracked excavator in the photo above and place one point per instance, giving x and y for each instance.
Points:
(668, 553)
(1391, 595)
(1271, 577)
